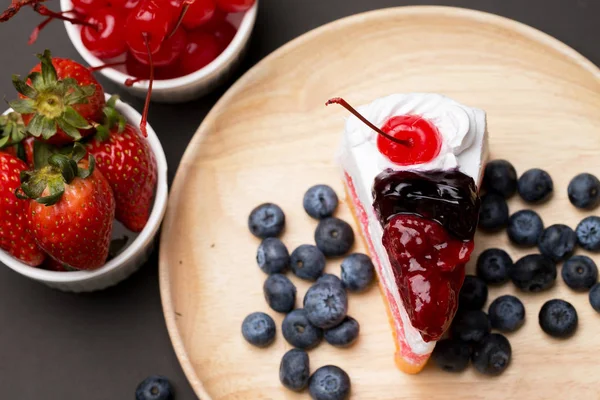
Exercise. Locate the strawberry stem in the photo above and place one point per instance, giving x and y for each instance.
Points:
(343, 103)
(184, 9)
(144, 120)
(109, 65)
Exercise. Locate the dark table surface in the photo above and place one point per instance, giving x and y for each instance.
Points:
(100, 346)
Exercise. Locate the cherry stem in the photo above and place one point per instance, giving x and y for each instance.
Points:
(343, 103)
(130, 82)
(36, 32)
(14, 8)
(43, 10)
(144, 120)
(184, 9)
(109, 65)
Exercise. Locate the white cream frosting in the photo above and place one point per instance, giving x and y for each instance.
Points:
(464, 146)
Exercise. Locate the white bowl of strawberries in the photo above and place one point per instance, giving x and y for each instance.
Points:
(76, 175)
(193, 47)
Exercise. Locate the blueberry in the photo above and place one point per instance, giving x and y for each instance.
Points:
(595, 297)
(493, 214)
(557, 242)
(493, 266)
(473, 294)
(492, 356)
(266, 220)
(452, 355)
(580, 273)
(259, 329)
(308, 262)
(507, 313)
(294, 370)
(280, 293)
(533, 273)
(299, 332)
(357, 272)
(535, 185)
(558, 318)
(470, 326)
(272, 256)
(329, 383)
(330, 279)
(524, 228)
(334, 237)
(584, 191)
(588, 233)
(343, 335)
(500, 177)
(326, 305)
(320, 201)
(154, 387)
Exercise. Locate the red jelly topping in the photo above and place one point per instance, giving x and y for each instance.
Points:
(422, 136)
(429, 268)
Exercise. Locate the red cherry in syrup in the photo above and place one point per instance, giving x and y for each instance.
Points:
(429, 269)
(223, 31)
(199, 13)
(235, 6)
(85, 7)
(423, 136)
(169, 50)
(107, 40)
(142, 71)
(201, 49)
(147, 21)
(128, 5)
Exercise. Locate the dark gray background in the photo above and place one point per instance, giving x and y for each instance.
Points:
(99, 346)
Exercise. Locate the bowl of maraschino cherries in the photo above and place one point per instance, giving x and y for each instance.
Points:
(176, 49)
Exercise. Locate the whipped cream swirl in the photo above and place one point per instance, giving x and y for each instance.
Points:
(457, 125)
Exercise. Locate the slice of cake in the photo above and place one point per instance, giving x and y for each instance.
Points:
(412, 164)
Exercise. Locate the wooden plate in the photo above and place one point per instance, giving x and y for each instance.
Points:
(270, 138)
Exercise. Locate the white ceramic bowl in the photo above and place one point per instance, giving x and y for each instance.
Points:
(132, 257)
(181, 89)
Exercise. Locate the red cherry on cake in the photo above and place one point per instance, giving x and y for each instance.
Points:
(404, 139)
(105, 39)
(423, 136)
(429, 269)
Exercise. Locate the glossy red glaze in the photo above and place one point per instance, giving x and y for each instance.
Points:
(429, 268)
(234, 6)
(423, 136)
(147, 18)
(108, 39)
(201, 49)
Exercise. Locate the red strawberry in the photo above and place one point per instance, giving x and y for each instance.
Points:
(14, 235)
(129, 165)
(72, 214)
(60, 101)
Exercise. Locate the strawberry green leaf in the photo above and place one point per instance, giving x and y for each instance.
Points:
(33, 185)
(56, 187)
(102, 133)
(4, 141)
(37, 81)
(39, 125)
(21, 153)
(23, 88)
(23, 106)
(68, 129)
(84, 173)
(48, 71)
(78, 152)
(75, 94)
(42, 153)
(75, 119)
(66, 166)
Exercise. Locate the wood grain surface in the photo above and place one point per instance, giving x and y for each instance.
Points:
(270, 138)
